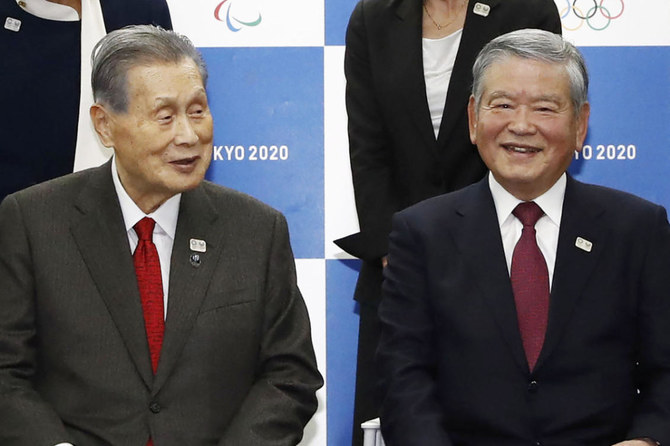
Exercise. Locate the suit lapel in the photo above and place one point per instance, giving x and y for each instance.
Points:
(477, 237)
(476, 33)
(581, 218)
(101, 238)
(405, 36)
(189, 280)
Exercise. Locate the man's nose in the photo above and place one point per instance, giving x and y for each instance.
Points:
(521, 121)
(185, 134)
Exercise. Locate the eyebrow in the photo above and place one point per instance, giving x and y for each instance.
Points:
(542, 98)
(162, 101)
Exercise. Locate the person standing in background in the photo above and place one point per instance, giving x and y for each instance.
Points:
(408, 68)
(45, 48)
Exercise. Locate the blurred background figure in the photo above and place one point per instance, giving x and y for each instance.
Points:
(45, 46)
(408, 65)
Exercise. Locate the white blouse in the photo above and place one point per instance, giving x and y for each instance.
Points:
(439, 56)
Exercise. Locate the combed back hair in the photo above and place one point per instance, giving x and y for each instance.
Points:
(132, 46)
(537, 45)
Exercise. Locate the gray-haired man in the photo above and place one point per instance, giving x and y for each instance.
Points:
(529, 308)
(141, 304)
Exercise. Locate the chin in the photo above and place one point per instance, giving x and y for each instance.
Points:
(183, 186)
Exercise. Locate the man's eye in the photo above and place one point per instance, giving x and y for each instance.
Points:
(164, 117)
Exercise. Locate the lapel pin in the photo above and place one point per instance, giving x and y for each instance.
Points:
(481, 9)
(12, 24)
(198, 245)
(195, 260)
(583, 244)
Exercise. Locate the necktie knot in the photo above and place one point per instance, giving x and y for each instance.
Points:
(528, 213)
(145, 228)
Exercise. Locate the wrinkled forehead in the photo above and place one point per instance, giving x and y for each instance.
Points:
(161, 78)
(521, 72)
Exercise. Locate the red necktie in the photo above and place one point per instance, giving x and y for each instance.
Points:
(530, 283)
(148, 271)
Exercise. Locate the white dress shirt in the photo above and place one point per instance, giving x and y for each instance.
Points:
(546, 228)
(164, 231)
(47, 10)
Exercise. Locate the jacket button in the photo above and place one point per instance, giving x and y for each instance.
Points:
(154, 407)
(532, 387)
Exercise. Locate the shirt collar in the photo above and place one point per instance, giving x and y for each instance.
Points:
(165, 216)
(50, 11)
(551, 202)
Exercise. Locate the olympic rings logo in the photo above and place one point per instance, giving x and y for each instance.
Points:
(594, 13)
(234, 24)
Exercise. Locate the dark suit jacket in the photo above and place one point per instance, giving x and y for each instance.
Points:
(40, 73)
(237, 365)
(451, 355)
(395, 158)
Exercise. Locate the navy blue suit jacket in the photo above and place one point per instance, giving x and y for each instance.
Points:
(453, 366)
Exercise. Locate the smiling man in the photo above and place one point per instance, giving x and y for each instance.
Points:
(140, 304)
(529, 308)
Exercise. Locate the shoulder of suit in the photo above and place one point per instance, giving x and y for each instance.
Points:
(615, 199)
(376, 8)
(444, 202)
(62, 186)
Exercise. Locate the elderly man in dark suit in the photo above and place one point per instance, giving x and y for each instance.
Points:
(528, 308)
(141, 304)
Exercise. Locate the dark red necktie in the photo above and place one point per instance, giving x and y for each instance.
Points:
(530, 283)
(148, 271)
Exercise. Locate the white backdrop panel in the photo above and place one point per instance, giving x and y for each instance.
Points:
(217, 23)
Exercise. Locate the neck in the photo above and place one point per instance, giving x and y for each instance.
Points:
(442, 17)
(445, 5)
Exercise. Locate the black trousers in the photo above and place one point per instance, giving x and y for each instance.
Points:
(368, 398)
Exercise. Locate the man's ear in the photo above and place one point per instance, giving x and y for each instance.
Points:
(582, 125)
(472, 120)
(102, 122)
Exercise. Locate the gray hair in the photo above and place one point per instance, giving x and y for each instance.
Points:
(537, 45)
(125, 48)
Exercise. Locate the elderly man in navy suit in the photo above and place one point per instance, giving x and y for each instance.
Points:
(140, 304)
(529, 308)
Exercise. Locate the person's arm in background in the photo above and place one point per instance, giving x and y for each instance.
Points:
(137, 12)
(547, 17)
(369, 146)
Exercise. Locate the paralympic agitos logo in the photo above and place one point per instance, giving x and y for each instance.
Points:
(597, 14)
(234, 23)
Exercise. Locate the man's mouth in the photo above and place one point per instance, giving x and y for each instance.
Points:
(520, 149)
(185, 161)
